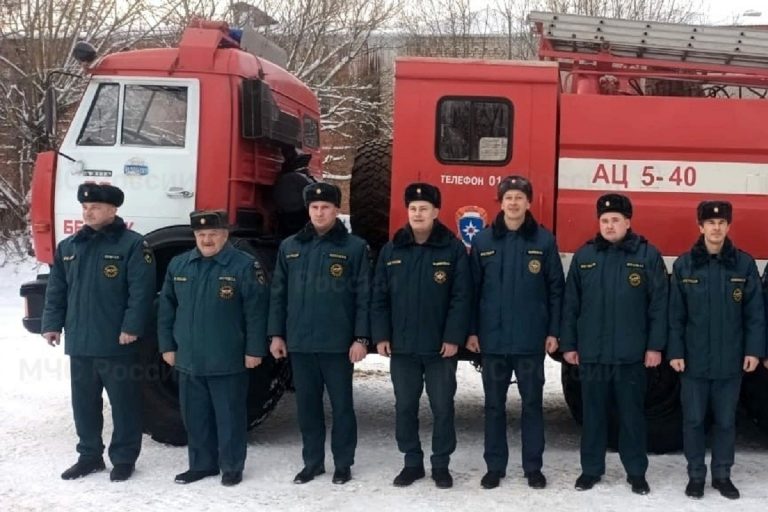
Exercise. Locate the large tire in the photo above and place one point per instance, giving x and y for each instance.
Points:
(369, 193)
(754, 396)
(662, 408)
(162, 416)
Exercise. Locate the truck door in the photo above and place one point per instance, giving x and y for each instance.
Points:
(140, 135)
(464, 125)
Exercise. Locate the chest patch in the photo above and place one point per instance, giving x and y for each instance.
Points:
(226, 291)
(635, 279)
(336, 270)
(440, 276)
(394, 262)
(110, 271)
(587, 266)
(689, 280)
(534, 266)
(68, 258)
(292, 255)
(535, 252)
(737, 295)
(485, 254)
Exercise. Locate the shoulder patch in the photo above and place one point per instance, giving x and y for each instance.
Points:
(149, 256)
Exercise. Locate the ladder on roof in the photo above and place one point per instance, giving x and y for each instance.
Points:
(731, 46)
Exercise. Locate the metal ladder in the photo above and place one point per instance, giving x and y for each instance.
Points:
(731, 46)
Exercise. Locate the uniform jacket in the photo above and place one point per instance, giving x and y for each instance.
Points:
(422, 292)
(213, 311)
(518, 280)
(615, 306)
(716, 311)
(320, 297)
(102, 283)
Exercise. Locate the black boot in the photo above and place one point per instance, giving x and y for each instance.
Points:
(536, 480)
(408, 475)
(308, 474)
(342, 476)
(726, 488)
(586, 482)
(82, 468)
(695, 489)
(639, 484)
(121, 472)
(230, 478)
(491, 479)
(192, 476)
(442, 478)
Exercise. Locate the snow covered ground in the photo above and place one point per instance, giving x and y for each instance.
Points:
(37, 443)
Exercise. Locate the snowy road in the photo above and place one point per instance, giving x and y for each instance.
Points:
(37, 443)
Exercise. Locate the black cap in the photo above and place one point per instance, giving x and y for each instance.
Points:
(714, 210)
(209, 219)
(515, 183)
(95, 193)
(322, 191)
(614, 203)
(422, 192)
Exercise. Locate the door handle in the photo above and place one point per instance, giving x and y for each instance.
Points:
(178, 193)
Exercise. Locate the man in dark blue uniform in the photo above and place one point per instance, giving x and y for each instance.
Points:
(518, 296)
(716, 332)
(614, 326)
(419, 317)
(318, 315)
(212, 327)
(100, 292)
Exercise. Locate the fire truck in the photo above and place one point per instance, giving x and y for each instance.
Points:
(667, 114)
(206, 125)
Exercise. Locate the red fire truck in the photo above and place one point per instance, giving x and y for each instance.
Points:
(667, 114)
(204, 125)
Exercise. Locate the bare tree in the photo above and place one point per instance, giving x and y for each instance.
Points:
(36, 40)
(672, 11)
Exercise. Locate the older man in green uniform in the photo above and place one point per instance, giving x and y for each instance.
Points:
(318, 315)
(420, 317)
(212, 322)
(100, 292)
(614, 326)
(716, 332)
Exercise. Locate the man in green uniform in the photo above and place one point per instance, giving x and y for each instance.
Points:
(212, 322)
(614, 326)
(518, 296)
(100, 292)
(419, 317)
(716, 332)
(319, 316)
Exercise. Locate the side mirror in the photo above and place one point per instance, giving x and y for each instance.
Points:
(49, 112)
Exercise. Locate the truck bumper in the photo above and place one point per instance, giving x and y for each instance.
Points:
(33, 293)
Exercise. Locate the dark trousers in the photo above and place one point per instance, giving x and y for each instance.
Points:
(623, 386)
(214, 410)
(497, 373)
(312, 373)
(698, 396)
(120, 376)
(409, 374)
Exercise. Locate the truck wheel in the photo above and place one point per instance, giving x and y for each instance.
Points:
(369, 193)
(160, 391)
(662, 408)
(754, 396)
